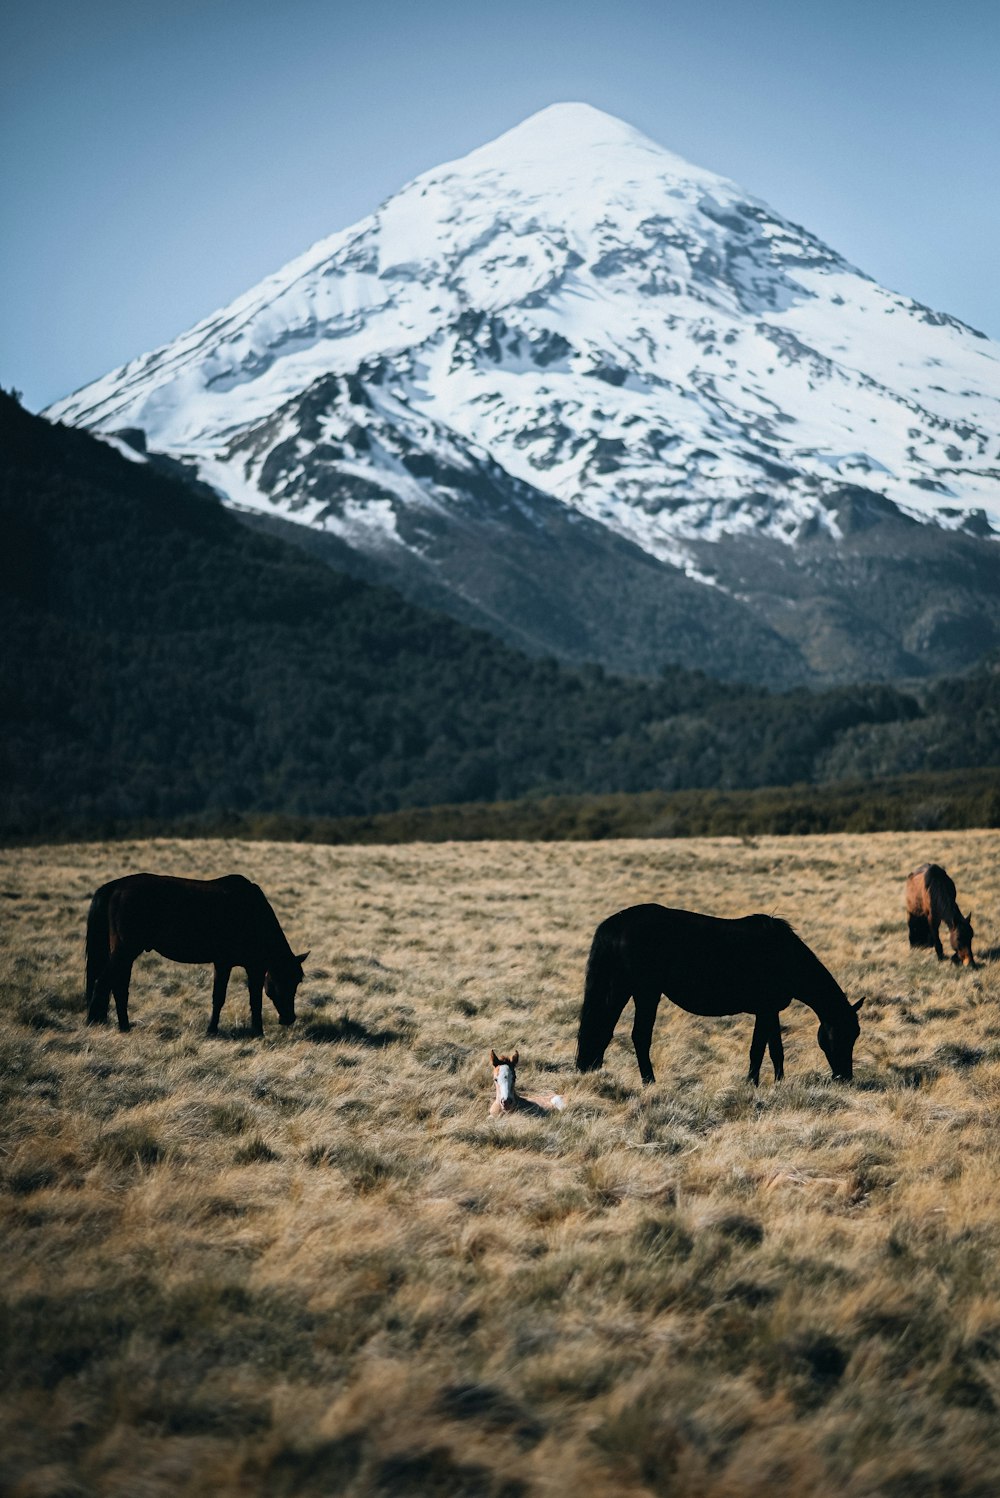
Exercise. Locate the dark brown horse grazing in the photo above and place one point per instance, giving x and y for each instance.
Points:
(930, 899)
(754, 965)
(225, 921)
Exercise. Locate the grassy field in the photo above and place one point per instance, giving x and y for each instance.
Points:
(313, 1264)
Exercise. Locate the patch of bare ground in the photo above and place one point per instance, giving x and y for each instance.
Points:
(314, 1264)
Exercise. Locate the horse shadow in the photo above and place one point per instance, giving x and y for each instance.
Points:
(992, 954)
(953, 1056)
(234, 1032)
(351, 1031)
(491, 1409)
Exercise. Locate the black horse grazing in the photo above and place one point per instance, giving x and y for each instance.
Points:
(930, 899)
(225, 921)
(754, 965)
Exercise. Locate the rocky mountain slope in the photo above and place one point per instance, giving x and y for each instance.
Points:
(610, 406)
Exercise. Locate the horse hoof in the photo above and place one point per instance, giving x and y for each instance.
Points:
(257, 1034)
(123, 1026)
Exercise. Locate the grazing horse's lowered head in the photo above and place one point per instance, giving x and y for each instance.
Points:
(836, 1040)
(281, 984)
(509, 1100)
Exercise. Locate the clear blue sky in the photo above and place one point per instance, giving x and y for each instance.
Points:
(159, 158)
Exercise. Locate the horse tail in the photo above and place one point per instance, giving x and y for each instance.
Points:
(98, 937)
(603, 967)
(919, 930)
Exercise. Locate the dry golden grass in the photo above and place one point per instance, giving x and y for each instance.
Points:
(314, 1265)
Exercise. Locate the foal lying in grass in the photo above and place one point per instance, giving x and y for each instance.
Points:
(509, 1100)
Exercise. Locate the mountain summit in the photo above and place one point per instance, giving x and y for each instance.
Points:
(572, 333)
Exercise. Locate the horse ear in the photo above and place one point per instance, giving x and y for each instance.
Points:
(513, 1059)
(858, 1005)
(494, 1059)
(300, 960)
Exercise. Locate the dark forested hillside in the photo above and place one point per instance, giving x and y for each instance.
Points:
(162, 660)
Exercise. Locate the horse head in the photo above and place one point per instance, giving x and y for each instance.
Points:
(280, 985)
(504, 1073)
(961, 935)
(836, 1040)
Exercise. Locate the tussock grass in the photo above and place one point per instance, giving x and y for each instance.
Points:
(313, 1264)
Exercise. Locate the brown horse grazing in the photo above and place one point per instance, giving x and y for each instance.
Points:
(227, 922)
(930, 899)
(754, 965)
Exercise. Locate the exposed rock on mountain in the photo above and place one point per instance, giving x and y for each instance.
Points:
(612, 407)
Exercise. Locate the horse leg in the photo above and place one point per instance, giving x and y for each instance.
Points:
(255, 987)
(218, 996)
(646, 1005)
(121, 975)
(776, 1049)
(937, 942)
(761, 1033)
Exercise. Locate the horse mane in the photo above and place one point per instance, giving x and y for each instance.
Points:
(270, 921)
(819, 988)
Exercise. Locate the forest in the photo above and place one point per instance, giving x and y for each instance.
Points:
(164, 662)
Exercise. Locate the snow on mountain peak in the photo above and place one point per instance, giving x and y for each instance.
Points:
(570, 134)
(630, 335)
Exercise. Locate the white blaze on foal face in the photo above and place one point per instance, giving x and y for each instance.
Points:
(503, 1076)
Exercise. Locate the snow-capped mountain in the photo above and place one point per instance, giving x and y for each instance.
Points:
(572, 327)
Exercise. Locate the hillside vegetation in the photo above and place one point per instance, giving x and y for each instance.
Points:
(163, 661)
(949, 799)
(313, 1265)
